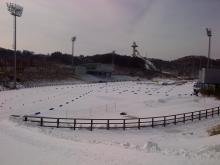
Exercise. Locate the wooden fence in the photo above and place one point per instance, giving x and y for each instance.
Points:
(79, 123)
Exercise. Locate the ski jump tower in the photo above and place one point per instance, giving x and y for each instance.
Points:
(135, 51)
(148, 64)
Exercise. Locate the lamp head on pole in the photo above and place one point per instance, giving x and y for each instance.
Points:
(209, 32)
(74, 39)
(15, 9)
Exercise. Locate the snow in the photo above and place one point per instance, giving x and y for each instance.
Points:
(149, 65)
(2, 88)
(187, 144)
(106, 100)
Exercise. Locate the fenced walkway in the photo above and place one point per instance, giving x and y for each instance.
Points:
(80, 123)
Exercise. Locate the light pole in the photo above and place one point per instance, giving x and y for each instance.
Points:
(209, 34)
(73, 41)
(16, 11)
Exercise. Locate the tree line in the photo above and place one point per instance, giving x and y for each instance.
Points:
(27, 59)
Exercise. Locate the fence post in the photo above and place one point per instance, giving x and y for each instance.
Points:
(74, 124)
(41, 121)
(164, 121)
(91, 125)
(108, 124)
(152, 123)
(206, 113)
(175, 119)
(25, 118)
(123, 124)
(139, 123)
(58, 122)
(192, 116)
(184, 118)
(199, 115)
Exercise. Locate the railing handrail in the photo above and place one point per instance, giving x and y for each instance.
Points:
(122, 122)
(155, 117)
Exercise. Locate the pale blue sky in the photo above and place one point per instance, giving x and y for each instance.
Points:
(165, 29)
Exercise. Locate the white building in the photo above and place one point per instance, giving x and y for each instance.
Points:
(98, 69)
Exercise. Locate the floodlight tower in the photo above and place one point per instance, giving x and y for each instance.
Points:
(73, 42)
(209, 34)
(16, 11)
(134, 46)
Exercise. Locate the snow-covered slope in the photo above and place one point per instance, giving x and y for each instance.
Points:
(182, 144)
(149, 65)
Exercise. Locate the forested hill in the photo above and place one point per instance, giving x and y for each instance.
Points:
(28, 61)
(27, 58)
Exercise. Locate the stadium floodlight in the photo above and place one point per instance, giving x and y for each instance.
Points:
(209, 34)
(16, 11)
(73, 41)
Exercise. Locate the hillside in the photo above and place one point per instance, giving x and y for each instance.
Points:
(58, 66)
(186, 66)
(31, 66)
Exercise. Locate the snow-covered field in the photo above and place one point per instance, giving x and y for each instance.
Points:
(105, 100)
(181, 144)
